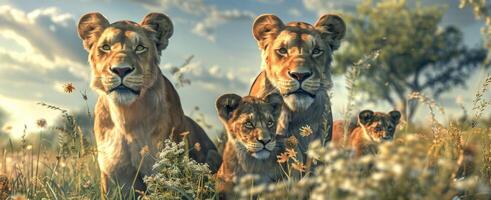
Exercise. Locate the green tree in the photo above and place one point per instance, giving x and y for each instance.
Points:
(416, 54)
(482, 11)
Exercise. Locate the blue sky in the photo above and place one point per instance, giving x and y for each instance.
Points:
(40, 50)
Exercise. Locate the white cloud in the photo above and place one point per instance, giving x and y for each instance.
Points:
(215, 78)
(215, 71)
(294, 12)
(211, 17)
(48, 31)
(40, 50)
(43, 44)
(323, 7)
(271, 1)
(216, 18)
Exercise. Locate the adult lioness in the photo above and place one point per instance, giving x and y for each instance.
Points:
(137, 106)
(253, 144)
(369, 129)
(296, 60)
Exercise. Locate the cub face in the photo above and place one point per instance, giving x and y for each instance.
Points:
(124, 55)
(251, 123)
(297, 56)
(379, 126)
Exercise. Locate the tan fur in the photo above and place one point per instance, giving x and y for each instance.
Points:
(135, 112)
(289, 51)
(364, 134)
(252, 145)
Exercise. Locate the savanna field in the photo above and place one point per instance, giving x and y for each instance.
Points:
(396, 53)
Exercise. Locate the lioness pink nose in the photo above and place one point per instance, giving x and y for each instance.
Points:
(122, 71)
(300, 76)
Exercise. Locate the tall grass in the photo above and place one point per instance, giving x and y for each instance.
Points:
(443, 162)
(35, 170)
(440, 163)
(352, 84)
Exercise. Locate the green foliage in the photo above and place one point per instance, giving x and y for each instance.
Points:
(481, 11)
(416, 54)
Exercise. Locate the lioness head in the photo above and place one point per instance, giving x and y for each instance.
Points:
(251, 123)
(124, 55)
(379, 126)
(297, 56)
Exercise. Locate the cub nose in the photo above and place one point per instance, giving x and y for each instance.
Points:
(122, 71)
(300, 76)
(264, 141)
(387, 137)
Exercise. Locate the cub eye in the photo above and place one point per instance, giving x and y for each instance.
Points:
(248, 125)
(317, 52)
(282, 51)
(105, 48)
(270, 124)
(378, 128)
(140, 49)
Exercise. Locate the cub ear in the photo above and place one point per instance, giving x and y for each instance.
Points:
(162, 28)
(395, 116)
(365, 117)
(265, 28)
(90, 27)
(226, 104)
(276, 101)
(332, 28)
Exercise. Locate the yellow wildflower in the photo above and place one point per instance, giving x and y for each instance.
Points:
(292, 141)
(306, 131)
(68, 88)
(291, 153)
(282, 158)
(299, 166)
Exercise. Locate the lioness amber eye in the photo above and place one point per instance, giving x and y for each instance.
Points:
(140, 48)
(270, 123)
(282, 51)
(316, 52)
(106, 47)
(249, 125)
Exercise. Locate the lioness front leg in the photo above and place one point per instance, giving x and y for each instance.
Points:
(104, 185)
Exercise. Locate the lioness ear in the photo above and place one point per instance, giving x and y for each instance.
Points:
(226, 104)
(332, 29)
(265, 28)
(90, 27)
(395, 116)
(276, 101)
(161, 26)
(365, 117)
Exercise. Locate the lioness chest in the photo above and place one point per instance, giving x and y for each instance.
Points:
(123, 152)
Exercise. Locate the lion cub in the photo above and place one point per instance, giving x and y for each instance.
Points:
(371, 128)
(252, 144)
